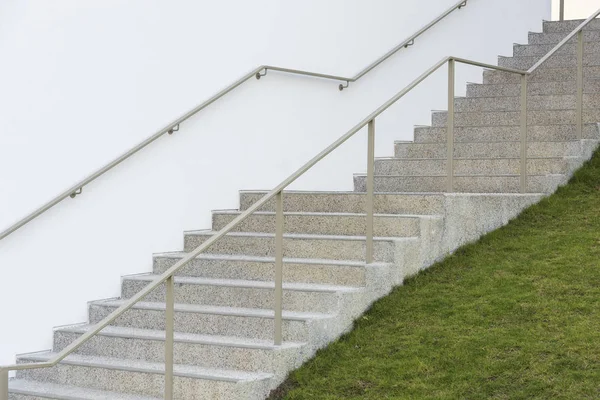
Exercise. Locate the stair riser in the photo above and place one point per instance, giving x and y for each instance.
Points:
(511, 118)
(210, 356)
(294, 248)
(567, 27)
(325, 225)
(505, 133)
(143, 383)
(534, 103)
(488, 150)
(555, 38)
(241, 297)
(470, 184)
(259, 271)
(533, 89)
(540, 50)
(189, 322)
(349, 203)
(543, 75)
(557, 61)
(471, 167)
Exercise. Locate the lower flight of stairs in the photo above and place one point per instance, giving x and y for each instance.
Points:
(224, 319)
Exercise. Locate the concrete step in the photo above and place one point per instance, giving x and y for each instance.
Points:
(556, 61)
(32, 390)
(569, 26)
(218, 266)
(534, 103)
(299, 246)
(349, 202)
(565, 74)
(217, 352)
(312, 328)
(249, 294)
(591, 86)
(536, 133)
(513, 118)
(462, 184)
(147, 379)
(323, 223)
(438, 150)
(477, 166)
(556, 37)
(540, 50)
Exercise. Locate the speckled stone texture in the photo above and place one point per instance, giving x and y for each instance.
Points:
(477, 166)
(540, 133)
(224, 317)
(499, 90)
(489, 150)
(322, 223)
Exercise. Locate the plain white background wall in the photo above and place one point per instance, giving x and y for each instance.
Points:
(575, 9)
(84, 81)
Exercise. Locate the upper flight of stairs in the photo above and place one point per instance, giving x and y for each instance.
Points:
(224, 299)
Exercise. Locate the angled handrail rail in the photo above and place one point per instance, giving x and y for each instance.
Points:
(276, 192)
(173, 126)
(167, 277)
(561, 44)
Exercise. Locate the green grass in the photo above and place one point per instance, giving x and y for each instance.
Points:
(514, 316)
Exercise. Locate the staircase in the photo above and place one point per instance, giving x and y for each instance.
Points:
(224, 317)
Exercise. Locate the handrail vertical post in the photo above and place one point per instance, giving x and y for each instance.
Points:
(370, 190)
(579, 100)
(3, 384)
(279, 222)
(562, 10)
(170, 337)
(450, 120)
(523, 134)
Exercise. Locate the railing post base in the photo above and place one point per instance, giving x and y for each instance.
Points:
(523, 135)
(370, 191)
(450, 120)
(279, 222)
(3, 384)
(579, 100)
(169, 337)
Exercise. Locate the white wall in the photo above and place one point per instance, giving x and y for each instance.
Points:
(84, 81)
(575, 9)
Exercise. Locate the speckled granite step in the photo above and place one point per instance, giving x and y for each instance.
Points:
(146, 378)
(256, 268)
(250, 294)
(476, 134)
(352, 224)
(210, 351)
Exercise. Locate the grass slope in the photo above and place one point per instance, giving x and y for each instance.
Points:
(514, 316)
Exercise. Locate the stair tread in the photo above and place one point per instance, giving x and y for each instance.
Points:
(209, 232)
(158, 335)
(218, 310)
(326, 214)
(249, 258)
(471, 158)
(188, 371)
(238, 283)
(67, 392)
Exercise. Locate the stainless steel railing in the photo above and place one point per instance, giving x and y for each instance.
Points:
(277, 195)
(258, 72)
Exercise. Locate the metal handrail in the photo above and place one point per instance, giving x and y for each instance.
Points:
(76, 189)
(168, 276)
(277, 193)
(564, 41)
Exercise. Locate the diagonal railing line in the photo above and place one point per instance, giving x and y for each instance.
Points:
(76, 189)
(167, 276)
(564, 41)
(239, 219)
